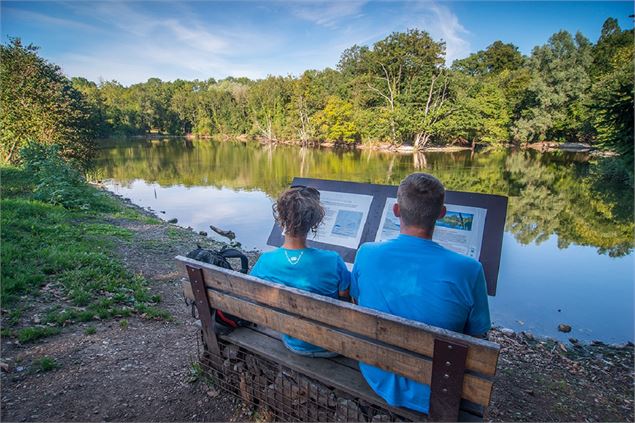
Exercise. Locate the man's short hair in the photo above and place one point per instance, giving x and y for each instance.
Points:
(420, 197)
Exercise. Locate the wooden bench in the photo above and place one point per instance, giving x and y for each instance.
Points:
(458, 368)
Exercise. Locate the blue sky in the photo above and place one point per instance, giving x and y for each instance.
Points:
(133, 41)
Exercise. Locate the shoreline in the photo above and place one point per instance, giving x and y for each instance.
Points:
(540, 146)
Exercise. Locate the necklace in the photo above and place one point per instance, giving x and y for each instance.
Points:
(293, 260)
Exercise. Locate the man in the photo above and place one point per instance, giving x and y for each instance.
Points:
(414, 277)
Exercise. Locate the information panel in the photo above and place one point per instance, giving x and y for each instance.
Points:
(357, 213)
(345, 217)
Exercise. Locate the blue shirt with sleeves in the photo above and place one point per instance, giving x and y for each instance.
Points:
(418, 279)
(318, 271)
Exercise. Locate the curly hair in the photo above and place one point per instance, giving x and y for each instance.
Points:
(298, 211)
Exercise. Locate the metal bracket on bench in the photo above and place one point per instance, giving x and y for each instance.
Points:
(448, 367)
(204, 308)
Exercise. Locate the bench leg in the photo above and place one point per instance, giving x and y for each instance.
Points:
(204, 310)
(448, 367)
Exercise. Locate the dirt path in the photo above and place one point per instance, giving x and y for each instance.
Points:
(143, 372)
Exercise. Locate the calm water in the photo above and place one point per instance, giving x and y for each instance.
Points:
(567, 251)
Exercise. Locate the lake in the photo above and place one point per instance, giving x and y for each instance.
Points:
(567, 252)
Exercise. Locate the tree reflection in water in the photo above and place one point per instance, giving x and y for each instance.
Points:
(549, 194)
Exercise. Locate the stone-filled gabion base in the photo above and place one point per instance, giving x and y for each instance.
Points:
(281, 394)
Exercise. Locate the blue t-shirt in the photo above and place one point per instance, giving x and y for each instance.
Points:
(420, 280)
(318, 271)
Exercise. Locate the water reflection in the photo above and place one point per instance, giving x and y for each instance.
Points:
(565, 232)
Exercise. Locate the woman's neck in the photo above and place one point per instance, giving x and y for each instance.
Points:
(294, 242)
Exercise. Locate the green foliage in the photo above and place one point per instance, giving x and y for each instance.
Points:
(56, 181)
(613, 99)
(123, 324)
(553, 105)
(33, 333)
(336, 123)
(43, 243)
(496, 58)
(481, 113)
(90, 330)
(39, 104)
(45, 364)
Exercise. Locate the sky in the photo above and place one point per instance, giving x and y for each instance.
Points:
(136, 40)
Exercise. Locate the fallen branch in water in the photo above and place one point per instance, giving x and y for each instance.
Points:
(227, 234)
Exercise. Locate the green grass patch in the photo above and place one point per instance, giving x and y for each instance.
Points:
(123, 324)
(90, 330)
(104, 229)
(34, 333)
(131, 214)
(45, 243)
(173, 233)
(44, 364)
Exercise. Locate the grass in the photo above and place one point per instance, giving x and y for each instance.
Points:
(33, 333)
(198, 374)
(46, 244)
(90, 330)
(44, 364)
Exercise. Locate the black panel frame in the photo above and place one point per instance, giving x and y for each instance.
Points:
(493, 230)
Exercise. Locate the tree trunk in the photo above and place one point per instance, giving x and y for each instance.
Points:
(421, 140)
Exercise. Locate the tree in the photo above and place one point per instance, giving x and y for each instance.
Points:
(40, 104)
(336, 123)
(401, 76)
(267, 101)
(612, 39)
(496, 58)
(554, 104)
(480, 112)
(613, 101)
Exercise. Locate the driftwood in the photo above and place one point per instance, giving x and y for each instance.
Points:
(227, 234)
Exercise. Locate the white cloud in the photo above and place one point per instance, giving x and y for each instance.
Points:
(142, 45)
(441, 23)
(328, 13)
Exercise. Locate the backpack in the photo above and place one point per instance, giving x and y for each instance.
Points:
(225, 322)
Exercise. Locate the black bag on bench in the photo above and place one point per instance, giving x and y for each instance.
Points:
(224, 322)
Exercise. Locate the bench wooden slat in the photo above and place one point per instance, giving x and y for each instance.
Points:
(327, 371)
(408, 334)
(475, 389)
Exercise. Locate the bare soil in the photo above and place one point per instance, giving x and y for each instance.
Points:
(143, 372)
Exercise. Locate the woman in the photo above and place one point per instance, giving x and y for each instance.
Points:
(298, 211)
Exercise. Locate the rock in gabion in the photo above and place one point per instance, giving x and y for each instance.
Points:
(347, 411)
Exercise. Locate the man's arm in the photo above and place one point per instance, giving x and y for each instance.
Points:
(478, 321)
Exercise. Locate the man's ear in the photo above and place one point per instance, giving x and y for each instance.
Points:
(442, 214)
(395, 210)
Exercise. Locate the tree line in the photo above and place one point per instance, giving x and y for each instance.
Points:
(397, 91)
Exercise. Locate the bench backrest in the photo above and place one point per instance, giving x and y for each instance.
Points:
(455, 365)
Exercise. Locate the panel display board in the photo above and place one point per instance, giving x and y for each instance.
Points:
(357, 213)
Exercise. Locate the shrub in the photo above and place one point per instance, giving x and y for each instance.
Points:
(56, 181)
(45, 364)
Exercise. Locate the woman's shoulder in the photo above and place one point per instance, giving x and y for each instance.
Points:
(327, 254)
